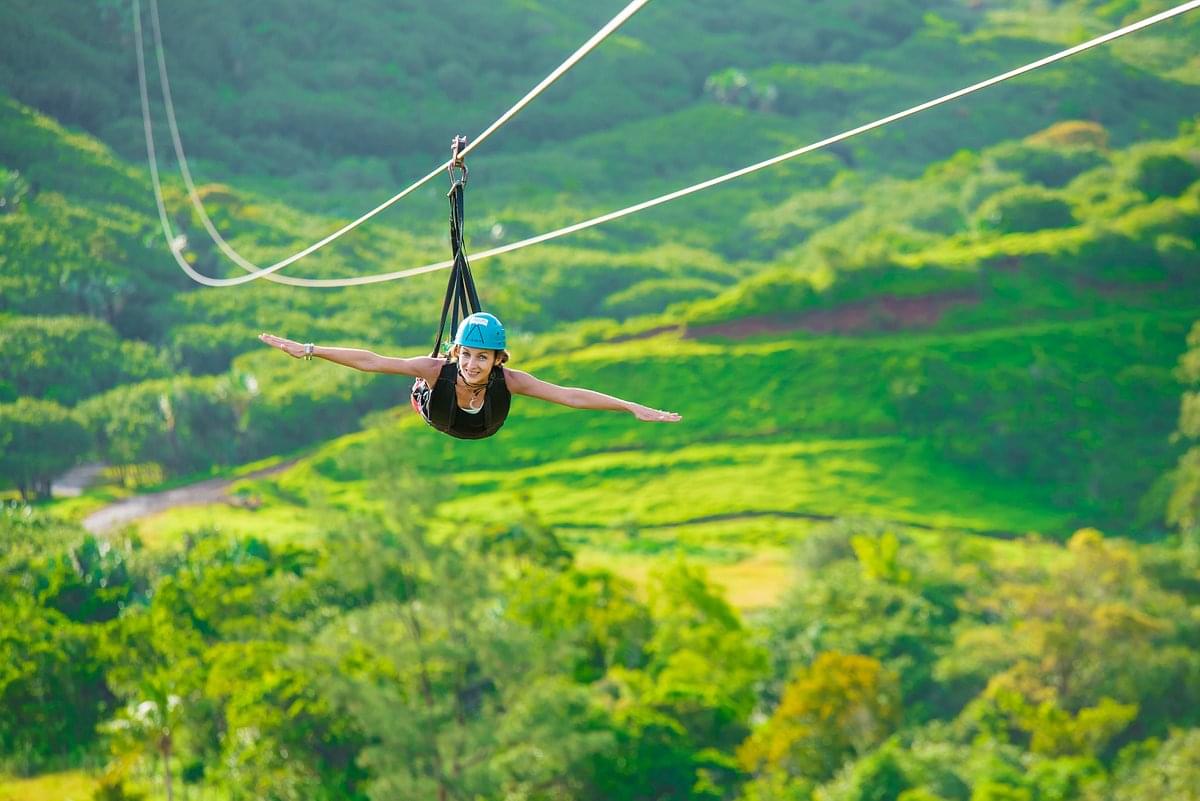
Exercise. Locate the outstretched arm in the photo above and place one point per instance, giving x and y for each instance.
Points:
(425, 367)
(523, 383)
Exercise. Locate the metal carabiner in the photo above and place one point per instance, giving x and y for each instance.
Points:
(456, 161)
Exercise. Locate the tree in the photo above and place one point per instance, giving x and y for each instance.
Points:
(38, 441)
(837, 708)
(281, 735)
(1164, 174)
(596, 612)
(681, 715)
(865, 592)
(1183, 508)
(1053, 731)
(879, 776)
(1087, 645)
(1024, 208)
(67, 359)
(206, 348)
(52, 684)
(455, 697)
(183, 424)
(13, 189)
(156, 671)
(1171, 774)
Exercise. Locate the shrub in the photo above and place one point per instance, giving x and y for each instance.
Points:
(204, 349)
(1164, 175)
(38, 440)
(66, 359)
(1050, 166)
(1072, 133)
(1023, 209)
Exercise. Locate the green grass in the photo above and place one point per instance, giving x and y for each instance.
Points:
(778, 436)
(790, 428)
(885, 479)
(736, 507)
(756, 582)
(68, 786)
(1056, 403)
(277, 523)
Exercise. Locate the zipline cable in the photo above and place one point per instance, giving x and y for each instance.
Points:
(1176, 11)
(174, 244)
(255, 272)
(1183, 8)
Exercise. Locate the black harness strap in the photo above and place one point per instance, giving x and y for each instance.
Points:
(462, 299)
(438, 404)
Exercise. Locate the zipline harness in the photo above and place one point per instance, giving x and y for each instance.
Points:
(439, 404)
(461, 296)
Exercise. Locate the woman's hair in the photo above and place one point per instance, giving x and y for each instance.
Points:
(502, 356)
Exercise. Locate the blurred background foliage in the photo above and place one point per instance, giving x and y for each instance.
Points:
(921, 372)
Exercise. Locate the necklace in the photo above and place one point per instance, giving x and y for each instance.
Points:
(475, 390)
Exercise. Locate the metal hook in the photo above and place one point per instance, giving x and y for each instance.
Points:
(456, 161)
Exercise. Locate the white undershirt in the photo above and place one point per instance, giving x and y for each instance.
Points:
(471, 411)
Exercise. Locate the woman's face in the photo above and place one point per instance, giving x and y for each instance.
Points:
(475, 364)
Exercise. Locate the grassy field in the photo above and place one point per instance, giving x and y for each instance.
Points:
(778, 436)
(738, 508)
(881, 479)
(808, 431)
(69, 786)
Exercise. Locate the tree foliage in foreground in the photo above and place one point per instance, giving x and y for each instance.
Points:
(383, 663)
(1183, 509)
(39, 440)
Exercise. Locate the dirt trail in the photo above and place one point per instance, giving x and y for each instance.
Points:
(213, 490)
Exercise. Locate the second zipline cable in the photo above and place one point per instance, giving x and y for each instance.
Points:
(791, 154)
(326, 283)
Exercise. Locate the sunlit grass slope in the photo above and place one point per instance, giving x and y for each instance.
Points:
(1084, 409)
(1040, 428)
(886, 479)
(1071, 423)
(70, 786)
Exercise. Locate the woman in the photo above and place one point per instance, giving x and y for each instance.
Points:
(467, 396)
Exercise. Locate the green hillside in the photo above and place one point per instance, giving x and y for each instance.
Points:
(926, 532)
(1008, 347)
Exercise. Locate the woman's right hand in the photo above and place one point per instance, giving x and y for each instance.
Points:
(648, 415)
(293, 349)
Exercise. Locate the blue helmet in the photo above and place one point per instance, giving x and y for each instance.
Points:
(481, 330)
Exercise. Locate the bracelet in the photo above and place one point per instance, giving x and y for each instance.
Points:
(308, 351)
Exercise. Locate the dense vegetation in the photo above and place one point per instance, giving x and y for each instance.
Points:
(920, 374)
(384, 663)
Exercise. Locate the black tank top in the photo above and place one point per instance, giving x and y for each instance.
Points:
(439, 404)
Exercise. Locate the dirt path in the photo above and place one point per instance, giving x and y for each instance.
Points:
(213, 490)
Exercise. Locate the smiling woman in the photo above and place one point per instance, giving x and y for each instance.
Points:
(467, 394)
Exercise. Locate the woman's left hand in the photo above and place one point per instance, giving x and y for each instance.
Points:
(291, 348)
(648, 415)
